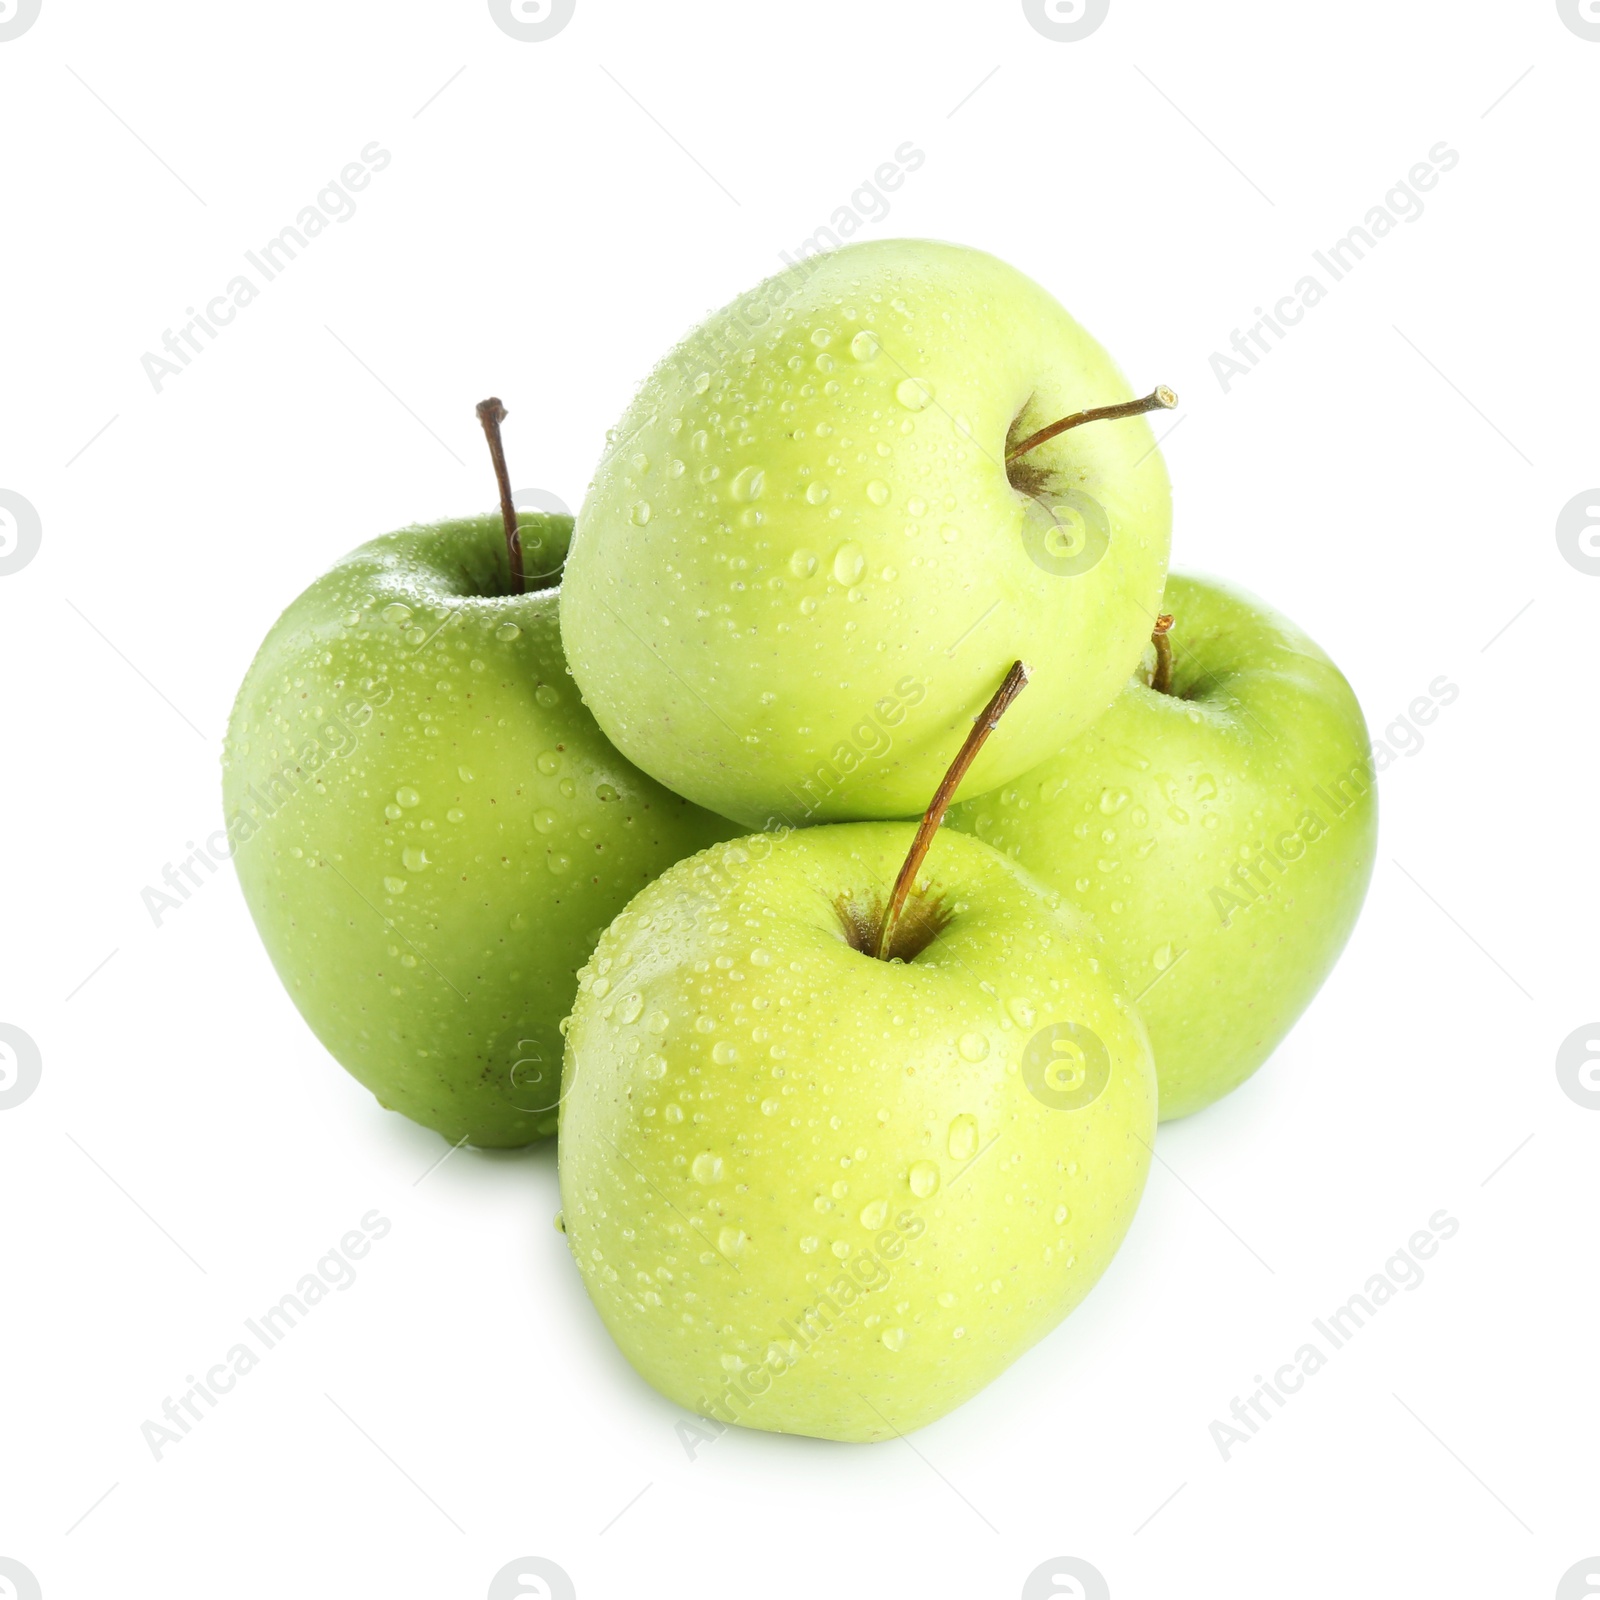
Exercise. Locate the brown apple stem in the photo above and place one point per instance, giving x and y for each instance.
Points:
(491, 414)
(1161, 678)
(1161, 398)
(1016, 680)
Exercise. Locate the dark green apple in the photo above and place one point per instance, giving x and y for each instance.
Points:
(429, 828)
(1221, 835)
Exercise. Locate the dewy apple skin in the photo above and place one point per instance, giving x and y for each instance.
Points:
(813, 1190)
(429, 829)
(1221, 835)
(809, 506)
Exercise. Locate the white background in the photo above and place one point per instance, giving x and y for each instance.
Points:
(556, 215)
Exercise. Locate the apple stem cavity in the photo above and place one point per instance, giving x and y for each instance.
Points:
(1161, 398)
(1161, 678)
(1015, 681)
(491, 414)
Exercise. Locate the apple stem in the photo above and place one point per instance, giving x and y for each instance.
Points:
(491, 414)
(1016, 680)
(1161, 678)
(1161, 398)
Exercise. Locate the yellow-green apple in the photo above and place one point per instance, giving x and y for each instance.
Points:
(839, 503)
(817, 1189)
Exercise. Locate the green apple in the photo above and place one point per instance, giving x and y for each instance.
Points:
(806, 542)
(430, 830)
(1220, 835)
(817, 1192)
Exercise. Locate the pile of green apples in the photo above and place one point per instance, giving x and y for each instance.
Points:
(629, 831)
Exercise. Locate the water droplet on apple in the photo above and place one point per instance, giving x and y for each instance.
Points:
(723, 1053)
(864, 347)
(702, 383)
(973, 1046)
(640, 512)
(559, 864)
(816, 493)
(810, 1244)
(748, 482)
(1113, 800)
(654, 1066)
(1061, 1215)
(894, 1338)
(415, 860)
(395, 885)
(707, 1167)
(507, 631)
(465, 774)
(549, 762)
(873, 1214)
(1162, 959)
(407, 797)
(560, 1220)
(915, 394)
(962, 1139)
(395, 612)
(803, 563)
(632, 1005)
(1022, 1012)
(731, 1241)
(849, 562)
(658, 1022)
(924, 1178)
(878, 492)
(546, 696)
